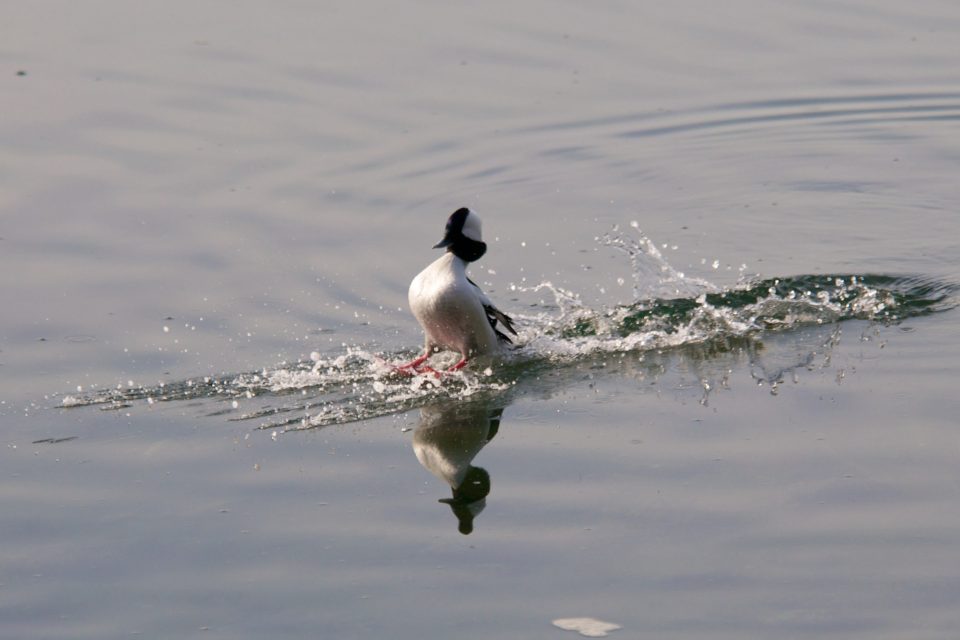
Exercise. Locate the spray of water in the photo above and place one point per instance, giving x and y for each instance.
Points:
(669, 311)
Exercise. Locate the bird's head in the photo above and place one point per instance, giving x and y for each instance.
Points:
(463, 236)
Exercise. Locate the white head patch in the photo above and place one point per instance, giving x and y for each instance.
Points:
(472, 227)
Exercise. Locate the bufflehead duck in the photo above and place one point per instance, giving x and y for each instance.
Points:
(453, 311)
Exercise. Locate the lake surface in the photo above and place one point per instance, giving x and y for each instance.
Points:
(729, 232)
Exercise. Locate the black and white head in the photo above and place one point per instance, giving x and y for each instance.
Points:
(463, 237)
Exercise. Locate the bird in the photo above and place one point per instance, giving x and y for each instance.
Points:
(453, 311)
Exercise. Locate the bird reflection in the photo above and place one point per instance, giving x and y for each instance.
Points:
(446, 441)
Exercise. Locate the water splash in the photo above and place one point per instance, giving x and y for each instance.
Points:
(745, 310)
(671, 311)
(652, 275)
(353, 386)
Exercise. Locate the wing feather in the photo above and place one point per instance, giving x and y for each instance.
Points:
(494, 315)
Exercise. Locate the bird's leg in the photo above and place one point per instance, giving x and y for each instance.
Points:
(416, 366)
(459, 365)
(429, 369)
(415, 363)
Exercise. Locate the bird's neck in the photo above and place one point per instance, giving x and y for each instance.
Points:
(455, 262)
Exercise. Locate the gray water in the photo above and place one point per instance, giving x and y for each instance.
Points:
(729, 232)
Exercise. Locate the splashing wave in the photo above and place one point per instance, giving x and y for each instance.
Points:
(670, 311)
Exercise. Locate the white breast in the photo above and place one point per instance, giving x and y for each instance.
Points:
(450, 310)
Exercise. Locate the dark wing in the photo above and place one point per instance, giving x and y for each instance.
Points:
(494, 315)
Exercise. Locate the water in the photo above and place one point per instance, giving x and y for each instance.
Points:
(729, 236)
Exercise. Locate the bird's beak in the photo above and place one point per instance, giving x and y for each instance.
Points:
(446, 242)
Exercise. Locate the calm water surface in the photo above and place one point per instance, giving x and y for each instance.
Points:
(209, 216)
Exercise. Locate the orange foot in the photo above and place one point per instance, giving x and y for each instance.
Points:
(416, 366)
